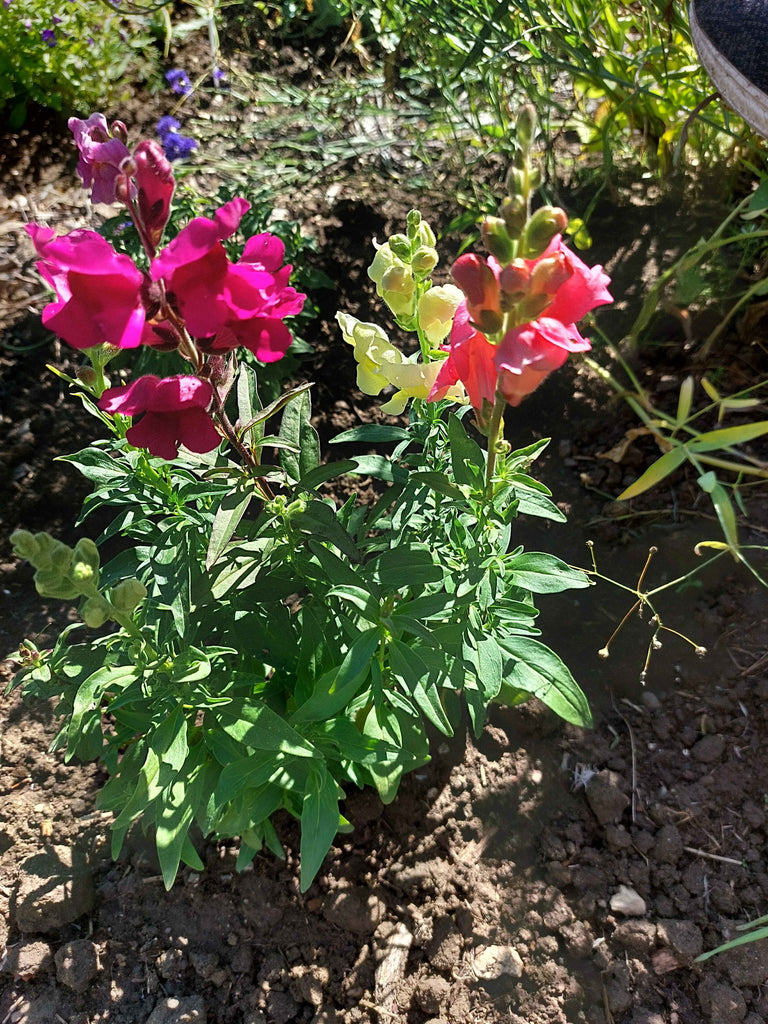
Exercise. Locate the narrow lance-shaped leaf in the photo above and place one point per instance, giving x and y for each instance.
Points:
(662, 467)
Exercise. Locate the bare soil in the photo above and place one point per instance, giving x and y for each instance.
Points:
(540, 875)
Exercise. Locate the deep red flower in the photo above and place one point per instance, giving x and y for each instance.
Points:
(173, 411)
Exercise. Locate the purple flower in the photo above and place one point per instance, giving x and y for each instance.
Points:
(48, 36)
(57, 20)
(166, 125)
(7, 4)
(177, 147)
(218, 76)
(179, 81)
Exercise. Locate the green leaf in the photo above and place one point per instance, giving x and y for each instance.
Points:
(95, 465)
(723, 507)
(297, 430)
(467, 457)
(372, 433)
(662, 467)
(319, 520)
(261, 728)
(225, 522)
(438, 482)
(713, 440)
(539, 671)
(327, 472)
(335, 689)
(88, 699)
(247, 397)
(173, 820)
(407, 565)
(362, 599)
(380, 468)
(544, 574)
(169, 740)
(685, 398)
(319, 823)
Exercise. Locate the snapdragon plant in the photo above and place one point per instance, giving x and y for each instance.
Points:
(258, 644)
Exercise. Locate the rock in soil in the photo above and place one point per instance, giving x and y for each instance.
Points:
(494, 962)
(55, 889)
(189, 1010)
(77, 964)
(605, 799)
(26, 960)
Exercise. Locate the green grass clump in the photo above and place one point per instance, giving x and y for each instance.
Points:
(70, 57)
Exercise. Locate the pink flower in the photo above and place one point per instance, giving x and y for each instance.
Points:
(528, 354)
(583, 289)
(173, 411)
(155, 185)
(470, 360)
(230, 304)
(100, 156)
(98, 291)
(479, 280)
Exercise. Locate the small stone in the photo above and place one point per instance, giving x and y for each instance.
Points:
(432, 994)
(493, 962)
(185, 1010)
(684, 937)
(721, 1003)
(26, 960)
(77, 964)
(668, 848)
(708, 749)
(578, 938)
(55, 888)
(638, 936)
(650, 700)
(307, 984)
(605, 799)
(355, 910)
(282, 1008)
(628, 902)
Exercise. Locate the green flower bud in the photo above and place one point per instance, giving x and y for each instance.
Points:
(60, 556)
(424, 260)
(526, 126)
(51, 583)
(412, 222)
(541, 229)
(401, 247)
(496, 240)
(512, 212)
(85, 561)
(425, 235)
(128, 595)
(95, 611)
(24, 544)
(516, 185)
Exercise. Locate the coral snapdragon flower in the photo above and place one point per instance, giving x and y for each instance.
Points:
(173, 411)
(558, 286)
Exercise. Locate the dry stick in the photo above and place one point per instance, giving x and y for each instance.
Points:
(713, 856)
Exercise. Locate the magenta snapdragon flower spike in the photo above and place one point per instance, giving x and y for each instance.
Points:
(100, 156)
(173, 411)
(155, 184)
(98, 291)
(226, 304)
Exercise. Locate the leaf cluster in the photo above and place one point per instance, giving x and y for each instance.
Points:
(290, 645)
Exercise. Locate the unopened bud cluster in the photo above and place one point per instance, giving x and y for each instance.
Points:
(67, 573)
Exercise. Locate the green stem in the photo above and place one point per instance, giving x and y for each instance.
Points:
(495, 439)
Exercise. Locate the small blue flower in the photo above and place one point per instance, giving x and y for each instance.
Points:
(48, 36)
(166, 125)
(218, 76)
(177, 147)
(179, 81)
